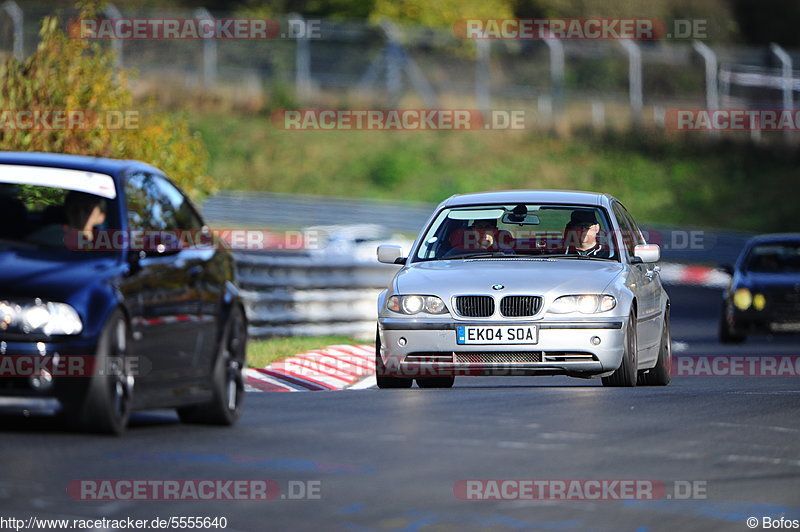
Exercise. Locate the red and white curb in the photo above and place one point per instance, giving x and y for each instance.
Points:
(672, 273)
(336, 367)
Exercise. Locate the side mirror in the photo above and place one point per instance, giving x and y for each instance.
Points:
(647, 253)
(161, 244)
(390, 254)
(727, 268)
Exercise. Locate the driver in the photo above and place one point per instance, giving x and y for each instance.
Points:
(580, 235)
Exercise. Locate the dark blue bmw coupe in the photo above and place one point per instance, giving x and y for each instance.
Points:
(104, 305)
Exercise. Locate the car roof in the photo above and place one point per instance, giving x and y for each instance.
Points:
(112, 167)
(774, 237)
(572, 197)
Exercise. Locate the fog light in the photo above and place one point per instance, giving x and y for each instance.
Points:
(401, 342)
(759, 301)
(595, 340)
(742, 299)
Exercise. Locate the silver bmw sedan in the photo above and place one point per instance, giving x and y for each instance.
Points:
(524, 283)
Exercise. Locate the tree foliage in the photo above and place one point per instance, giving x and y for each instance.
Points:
(67, 74)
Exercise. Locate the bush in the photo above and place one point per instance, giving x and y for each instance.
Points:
(68, 74)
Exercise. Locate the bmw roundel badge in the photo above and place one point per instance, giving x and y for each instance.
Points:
(497, 287)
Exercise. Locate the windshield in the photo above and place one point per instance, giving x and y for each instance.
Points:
(779, 257)
(42, 211)
(507, 231)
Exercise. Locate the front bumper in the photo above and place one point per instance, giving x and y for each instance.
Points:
(411, 348)
(67, 364)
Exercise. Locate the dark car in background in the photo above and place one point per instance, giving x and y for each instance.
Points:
(103, 306)
(764, 293)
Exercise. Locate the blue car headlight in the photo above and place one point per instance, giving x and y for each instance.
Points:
(38, 316)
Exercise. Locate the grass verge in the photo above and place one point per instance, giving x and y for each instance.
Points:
(662, 177)
(263, 352)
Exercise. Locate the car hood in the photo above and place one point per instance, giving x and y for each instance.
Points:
(759, 280)
(447, 278)
(51, 274)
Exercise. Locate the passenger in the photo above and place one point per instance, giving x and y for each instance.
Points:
(484, 234)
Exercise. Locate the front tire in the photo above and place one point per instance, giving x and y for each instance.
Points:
(660, 375)
(436, 382)
(106, 406)
(384, 380)
(627, 372)
(225, 406)
(726, 334)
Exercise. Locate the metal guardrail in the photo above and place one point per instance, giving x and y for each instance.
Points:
(290, 210)
(310, 294)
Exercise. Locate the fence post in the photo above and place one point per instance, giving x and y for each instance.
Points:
(634, 78)
(712, 91)
(556, 74)
(482, 91)
(786, 68)
(111, 12)
(302, 58)
(209, 52)
(15, 13)
(710, 58)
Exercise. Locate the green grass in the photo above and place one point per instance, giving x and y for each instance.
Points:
(263, 352)
(663, 178)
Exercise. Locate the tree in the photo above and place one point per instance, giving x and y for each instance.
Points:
(72, 76)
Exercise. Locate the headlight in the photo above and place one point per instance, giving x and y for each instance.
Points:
(39, 317)
(414, 304)
(585, 304)
(742, 299)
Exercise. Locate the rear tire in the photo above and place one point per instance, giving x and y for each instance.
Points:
(627, 372)
(384, 380)
(227, 382)
(436, 382)
(106, 406)
(660, 375)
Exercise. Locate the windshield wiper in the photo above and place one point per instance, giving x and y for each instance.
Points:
(585, 257)
(483, 255)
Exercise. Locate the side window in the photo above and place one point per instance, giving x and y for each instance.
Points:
(154, 204)
(138, 202)
(637, 233)
(184, 216)
(628, 233)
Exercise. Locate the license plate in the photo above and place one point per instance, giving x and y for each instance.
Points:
(506, 334)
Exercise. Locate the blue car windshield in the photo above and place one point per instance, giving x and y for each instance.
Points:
(778, 257)
(50, 217)
(508, 231)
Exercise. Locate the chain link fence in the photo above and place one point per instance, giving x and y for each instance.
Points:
(339, 63)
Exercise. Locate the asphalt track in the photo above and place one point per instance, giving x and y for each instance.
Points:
(718, 449)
